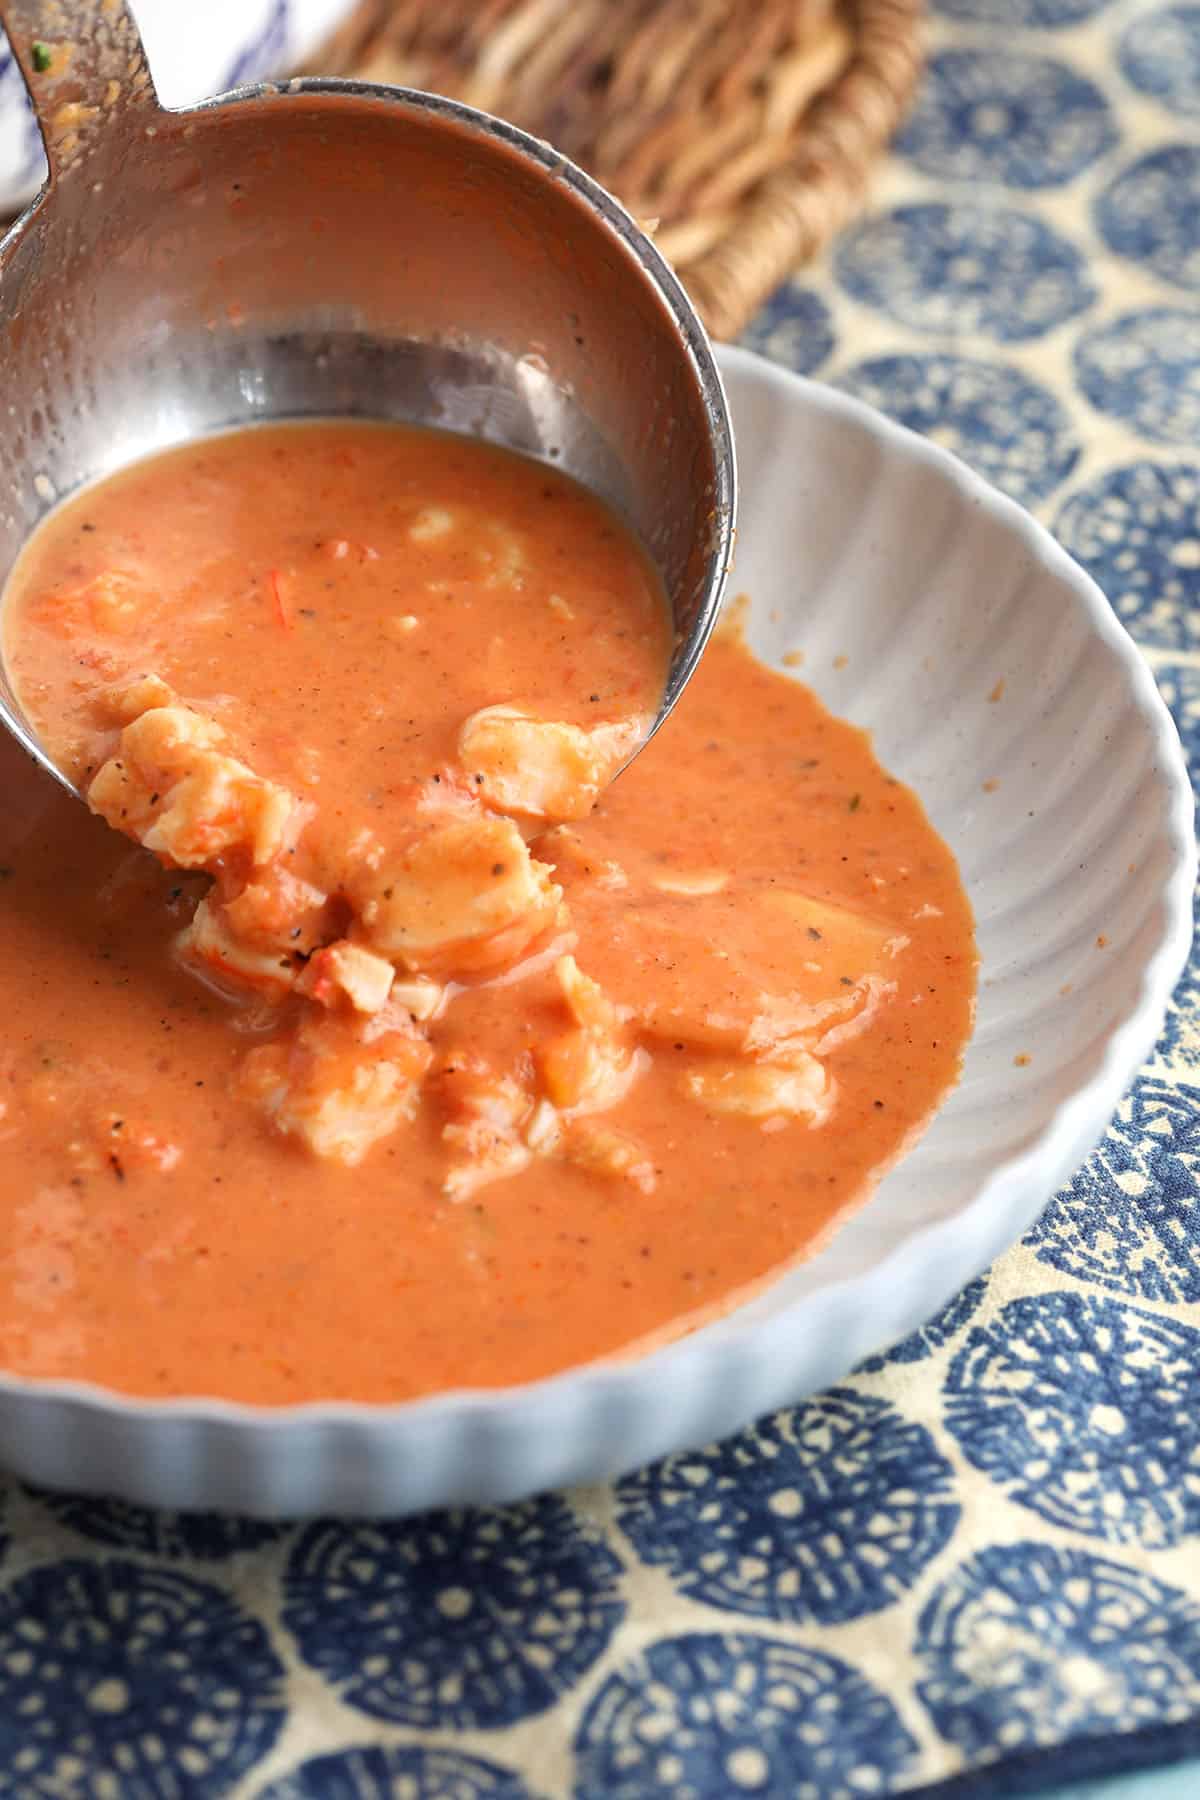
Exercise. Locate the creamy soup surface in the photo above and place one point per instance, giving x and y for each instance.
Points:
(367, 1041)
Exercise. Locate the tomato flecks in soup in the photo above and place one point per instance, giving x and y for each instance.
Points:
(493, 1068)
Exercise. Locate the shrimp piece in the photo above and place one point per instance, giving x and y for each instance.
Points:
(111, 602)
(209, 948)
(592, 1066)
(344, 972)
(489, 1117)
(578, 863)
(124, 701)
(799, 1089)
(278, 910)
(601, 1150)
(540, 768)
(221, 808)
(169, 785)
(421, 998)
(336, 1091)
(784, 1027)
(465, 896)
(809, 975)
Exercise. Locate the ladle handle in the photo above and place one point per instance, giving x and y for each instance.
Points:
(85, 69)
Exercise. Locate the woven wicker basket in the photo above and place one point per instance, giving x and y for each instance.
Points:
(743, 132)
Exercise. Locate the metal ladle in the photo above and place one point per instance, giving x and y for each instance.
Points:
(331, 247)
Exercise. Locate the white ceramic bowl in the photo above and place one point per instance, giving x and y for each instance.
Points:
(858, 541)
(193, 51)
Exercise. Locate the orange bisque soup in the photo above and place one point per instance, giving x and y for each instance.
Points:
(383, 1046)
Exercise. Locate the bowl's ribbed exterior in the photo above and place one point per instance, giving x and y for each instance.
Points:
(936, 614)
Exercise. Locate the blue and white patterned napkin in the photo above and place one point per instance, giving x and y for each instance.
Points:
(977, 1561)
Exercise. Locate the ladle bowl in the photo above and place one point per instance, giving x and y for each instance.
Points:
(329, 247)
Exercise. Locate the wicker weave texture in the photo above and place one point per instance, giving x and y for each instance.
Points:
(742, 131)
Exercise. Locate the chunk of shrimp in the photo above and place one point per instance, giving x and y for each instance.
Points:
(771, 1092)
(209, 947)
(343, 973)
(602, 1150)
(121, 702)
(591, 1066)
(812, 974)
(171, 786)
(497, 1125)
(489, 1116)
(112, 602)
(542, 768)
(464, 896)
(279, 910)
(336, 1089)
